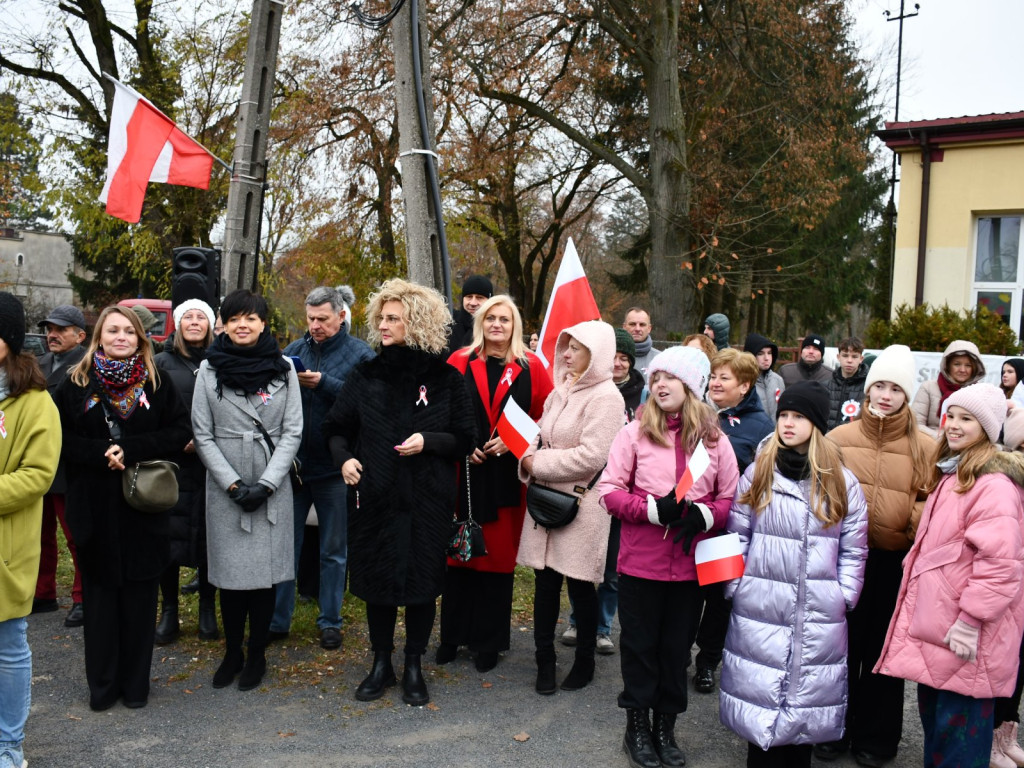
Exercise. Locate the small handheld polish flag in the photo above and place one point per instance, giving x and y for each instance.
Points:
(719, 558)
(695, 468)
(516, 429)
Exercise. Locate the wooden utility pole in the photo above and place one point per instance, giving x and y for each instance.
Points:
(241, 255)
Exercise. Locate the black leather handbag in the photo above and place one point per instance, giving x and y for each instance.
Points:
(550, 508)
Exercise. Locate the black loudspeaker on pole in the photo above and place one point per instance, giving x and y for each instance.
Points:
(196, 275)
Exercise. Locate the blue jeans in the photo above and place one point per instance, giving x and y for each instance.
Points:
(608, 589)
(15, 688)
(329, 496)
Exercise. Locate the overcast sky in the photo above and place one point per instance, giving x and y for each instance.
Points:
(959, 57)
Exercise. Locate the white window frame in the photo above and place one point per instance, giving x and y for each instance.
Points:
(1015, 287)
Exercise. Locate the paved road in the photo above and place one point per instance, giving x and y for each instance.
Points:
(305, 713)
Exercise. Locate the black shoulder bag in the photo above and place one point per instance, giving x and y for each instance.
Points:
(550, 508)
(295, 473)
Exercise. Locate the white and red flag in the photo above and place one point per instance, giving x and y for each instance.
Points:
(516, 429)
(571, 302)
(719, 558)
(695, 468)
(145, 145)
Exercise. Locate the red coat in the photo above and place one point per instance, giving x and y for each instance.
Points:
(502, 523)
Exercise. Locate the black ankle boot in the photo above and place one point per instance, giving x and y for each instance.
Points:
(446, 652)
(167, 630)
(231, 666)
(254, 670)
(582, 671)
(663, 735)
(414, 687)
(637, 743)
(382, 675)
(208, 620)
(546, 684)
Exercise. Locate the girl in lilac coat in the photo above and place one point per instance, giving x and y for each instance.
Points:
(658, 593)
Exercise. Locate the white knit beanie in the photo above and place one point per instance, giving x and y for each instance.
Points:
(689, 365)
(985, 402)
(202, 306)
(895, 364)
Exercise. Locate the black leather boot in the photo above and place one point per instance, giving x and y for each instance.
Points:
(254, 670)
(704, 678)
(546, 684)
(167, 630)
(582, 671)
(414, 687)
(637, 743)
(233, 662)
(663, 735)
(208, 620)
(382, 675)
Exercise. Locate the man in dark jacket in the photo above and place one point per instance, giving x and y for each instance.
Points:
(475, 291)
(809, 367)
(716, 327)
(846, 387)
(327, 353)
(65, 335)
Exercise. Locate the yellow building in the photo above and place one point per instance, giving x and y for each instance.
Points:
(958, 234)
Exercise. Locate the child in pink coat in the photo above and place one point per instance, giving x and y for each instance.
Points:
(959, 615)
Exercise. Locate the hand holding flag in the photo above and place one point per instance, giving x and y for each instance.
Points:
(516, 429)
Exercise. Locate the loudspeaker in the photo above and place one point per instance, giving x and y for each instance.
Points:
(196, 275)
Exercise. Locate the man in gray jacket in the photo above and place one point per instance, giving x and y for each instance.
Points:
(638, 324)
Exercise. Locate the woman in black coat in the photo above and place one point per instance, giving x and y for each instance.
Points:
(183, 352)
(400, 425)
(121, 551)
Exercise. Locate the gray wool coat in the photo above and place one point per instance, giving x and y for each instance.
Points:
(247, 550)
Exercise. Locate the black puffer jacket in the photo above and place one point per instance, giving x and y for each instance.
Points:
(845, 396)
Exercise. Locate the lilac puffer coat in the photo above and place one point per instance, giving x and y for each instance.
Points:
(784, 668)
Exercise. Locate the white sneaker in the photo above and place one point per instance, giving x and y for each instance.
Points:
(569, 636)
(605, 645)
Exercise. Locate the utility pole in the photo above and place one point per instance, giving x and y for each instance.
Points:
(241, 257)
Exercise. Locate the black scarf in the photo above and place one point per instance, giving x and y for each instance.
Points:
(246, 369)
(792, 464)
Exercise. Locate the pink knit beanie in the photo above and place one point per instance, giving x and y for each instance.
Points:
(1013, 429)
(986, 403)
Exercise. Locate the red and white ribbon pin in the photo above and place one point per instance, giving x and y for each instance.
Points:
(3, 426)
(265, 396)
(507, 378)
(144, 400)
(423, 396)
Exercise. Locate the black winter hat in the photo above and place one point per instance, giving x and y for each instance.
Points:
(756, 342)
(813, 340)
(479, 285)
(809, 398)
(624, 343)
(12, 322)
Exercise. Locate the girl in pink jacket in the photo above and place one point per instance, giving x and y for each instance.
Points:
(658, 592)
(959, 614)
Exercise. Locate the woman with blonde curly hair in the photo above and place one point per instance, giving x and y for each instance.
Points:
(402, 423)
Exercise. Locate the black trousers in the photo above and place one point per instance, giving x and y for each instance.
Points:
(120, 623)
(419, 621)
(169, 586)
(476, 609)
(656, 619)
(238, 604)
(874, 714)
(714, 623)
(1008, 710)
(547, 602)
(788, 756)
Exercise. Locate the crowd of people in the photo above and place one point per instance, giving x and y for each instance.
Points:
(882, 536)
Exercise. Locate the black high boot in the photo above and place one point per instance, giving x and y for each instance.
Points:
(167, 630)
(546, 684)
(207, 619)
(255, 667)
(414, 687)
(232, 664)
(582, 671)
(663, 735)
(382, 675)
(637, 743)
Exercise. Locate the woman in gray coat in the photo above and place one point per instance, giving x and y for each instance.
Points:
(247, 419)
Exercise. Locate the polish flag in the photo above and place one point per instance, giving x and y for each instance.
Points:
(145, 145)
(571, 302)
(719, 558)
(516, 429)
(695, 468)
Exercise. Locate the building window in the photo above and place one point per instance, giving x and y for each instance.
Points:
(999, 268)
(19, 260)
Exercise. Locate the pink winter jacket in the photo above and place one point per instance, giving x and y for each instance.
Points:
(579, 422)
(644, 549)
(966, 563)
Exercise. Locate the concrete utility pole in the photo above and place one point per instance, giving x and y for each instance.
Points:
(241, 257)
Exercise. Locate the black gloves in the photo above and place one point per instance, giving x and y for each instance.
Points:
(690, 524)
(249, 497)
(669, 510)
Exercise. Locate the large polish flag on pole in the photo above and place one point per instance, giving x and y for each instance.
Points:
(145, 145)
(571, 302)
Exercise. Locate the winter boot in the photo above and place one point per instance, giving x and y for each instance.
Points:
(546, 684)
(582, 671)
(255, 668)
(382, 675)
(207, 620)
(1010, 747)
(637, 743)
(664, 737)
(167, 630)
(233, 662)
(999, 758)
(414, 687)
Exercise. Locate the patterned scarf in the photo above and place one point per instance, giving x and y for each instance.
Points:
(121, 381)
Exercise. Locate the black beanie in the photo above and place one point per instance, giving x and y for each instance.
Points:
(809, 398)
(813, 340)
(478, 284)
(12, 322)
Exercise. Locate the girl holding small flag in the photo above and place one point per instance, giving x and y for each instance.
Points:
(671, 478)
(476, 604)
(802, 523)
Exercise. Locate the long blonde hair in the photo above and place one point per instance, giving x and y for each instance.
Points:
(972, 459)
(699, 422)
(828, 484)
(426, 315)
(516, 348)
(80, 373)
